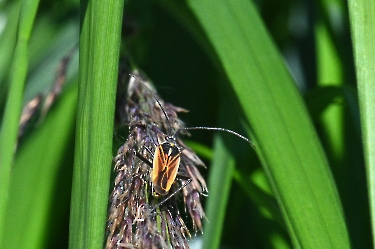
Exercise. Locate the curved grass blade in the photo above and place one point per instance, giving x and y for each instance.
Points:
(286, 140)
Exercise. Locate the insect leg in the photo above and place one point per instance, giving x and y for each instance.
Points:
(175, 192)
(149, 151)
(143, 159)
(183, 177)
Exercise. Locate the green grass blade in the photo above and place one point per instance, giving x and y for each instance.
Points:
(287, 143)
(9, 126)
(35, 175)
(362, 21)
(7, 44)
(219, 183)
(99, 55)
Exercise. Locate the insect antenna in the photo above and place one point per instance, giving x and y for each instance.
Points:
(175, 135)
(215, 129)
(167, 155)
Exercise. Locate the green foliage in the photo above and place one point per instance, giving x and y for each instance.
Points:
(230, 63)
(101, 25)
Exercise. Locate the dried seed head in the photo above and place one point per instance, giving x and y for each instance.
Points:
(133, 221)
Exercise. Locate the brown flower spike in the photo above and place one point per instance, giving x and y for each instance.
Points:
(138, 217)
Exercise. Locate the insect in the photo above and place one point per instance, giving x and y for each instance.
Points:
(167, 156)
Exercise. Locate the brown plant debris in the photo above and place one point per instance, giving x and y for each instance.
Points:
(45, 101)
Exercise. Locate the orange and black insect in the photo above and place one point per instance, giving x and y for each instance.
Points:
(167, 157)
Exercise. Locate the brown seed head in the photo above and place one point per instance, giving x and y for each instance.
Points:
(133, 221)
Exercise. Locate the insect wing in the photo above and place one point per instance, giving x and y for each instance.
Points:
(165, 167)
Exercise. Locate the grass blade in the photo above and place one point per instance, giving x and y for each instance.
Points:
(219, 185)
(362, 20)
(287, 143)
(99, 55)
(12, 113)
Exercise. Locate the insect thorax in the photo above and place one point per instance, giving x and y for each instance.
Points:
(170, 149)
